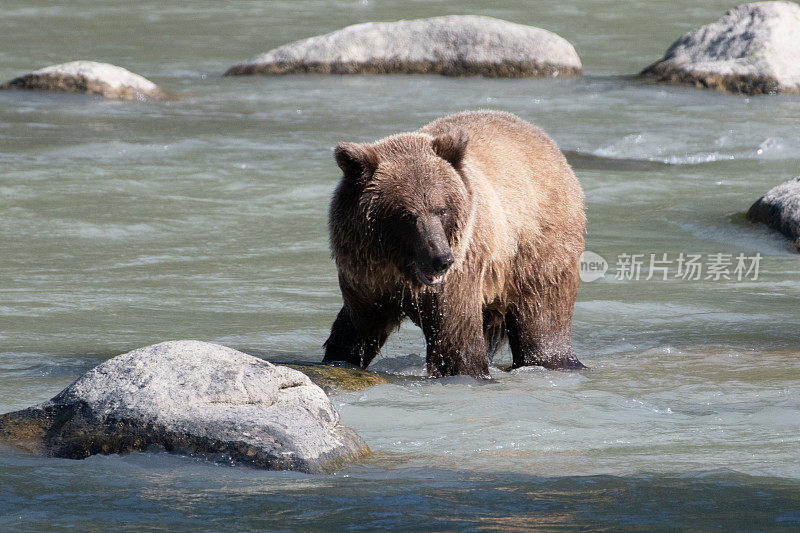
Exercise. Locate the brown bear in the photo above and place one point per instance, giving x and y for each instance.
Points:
(472, 227)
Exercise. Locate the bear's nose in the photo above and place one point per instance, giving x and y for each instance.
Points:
(442, 261)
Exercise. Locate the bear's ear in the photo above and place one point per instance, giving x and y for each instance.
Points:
(452, 147)
(357, 161)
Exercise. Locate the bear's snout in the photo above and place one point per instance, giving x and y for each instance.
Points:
(442, 261)
(433, 255)
(432, 271)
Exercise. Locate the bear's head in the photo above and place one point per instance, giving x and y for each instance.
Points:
(414, 200)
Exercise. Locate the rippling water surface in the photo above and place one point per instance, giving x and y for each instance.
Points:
(124, 224)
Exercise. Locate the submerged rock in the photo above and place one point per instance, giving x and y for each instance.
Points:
(752, 49)
(452, 45)
(90, 77)
(190, 397)
(337, 379)
(780, 210)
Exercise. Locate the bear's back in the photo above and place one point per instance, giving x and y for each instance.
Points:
(508, 152)
(520, 178)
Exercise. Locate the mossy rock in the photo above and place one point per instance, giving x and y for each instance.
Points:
(92, 78)
(454, 45)
(780, 210)
(752, 49)
(338, 379)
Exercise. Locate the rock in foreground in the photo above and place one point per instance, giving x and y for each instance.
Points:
(452, 45)
(190, 397)
(780, 210)
(90, 77)
(752, 49)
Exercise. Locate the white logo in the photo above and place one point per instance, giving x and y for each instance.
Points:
(593, 266)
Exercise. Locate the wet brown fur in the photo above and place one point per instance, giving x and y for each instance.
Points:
(513, 215)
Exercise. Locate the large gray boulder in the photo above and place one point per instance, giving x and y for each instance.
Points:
(780, 210)
(190, 397)
(90, 77)
(452, 45)
(752, 49)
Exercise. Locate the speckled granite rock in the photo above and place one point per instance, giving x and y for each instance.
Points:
(90, 77)
(451, 45)
(191, 397)
(780, 210)
(752, 49)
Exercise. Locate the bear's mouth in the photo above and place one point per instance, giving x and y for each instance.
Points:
(429, 279)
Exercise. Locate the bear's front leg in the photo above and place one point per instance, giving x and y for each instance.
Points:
(453, 328)
(357, 336)
(541, 338)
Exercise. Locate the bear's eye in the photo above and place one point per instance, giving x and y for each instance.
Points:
(441, 212)
(408, 218)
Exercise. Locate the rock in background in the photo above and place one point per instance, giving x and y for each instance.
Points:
(780, 210)
(90, 77)
(452, 45)
(190, 397)
(752, 49)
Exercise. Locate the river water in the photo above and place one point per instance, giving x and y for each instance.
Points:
(126, 224)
